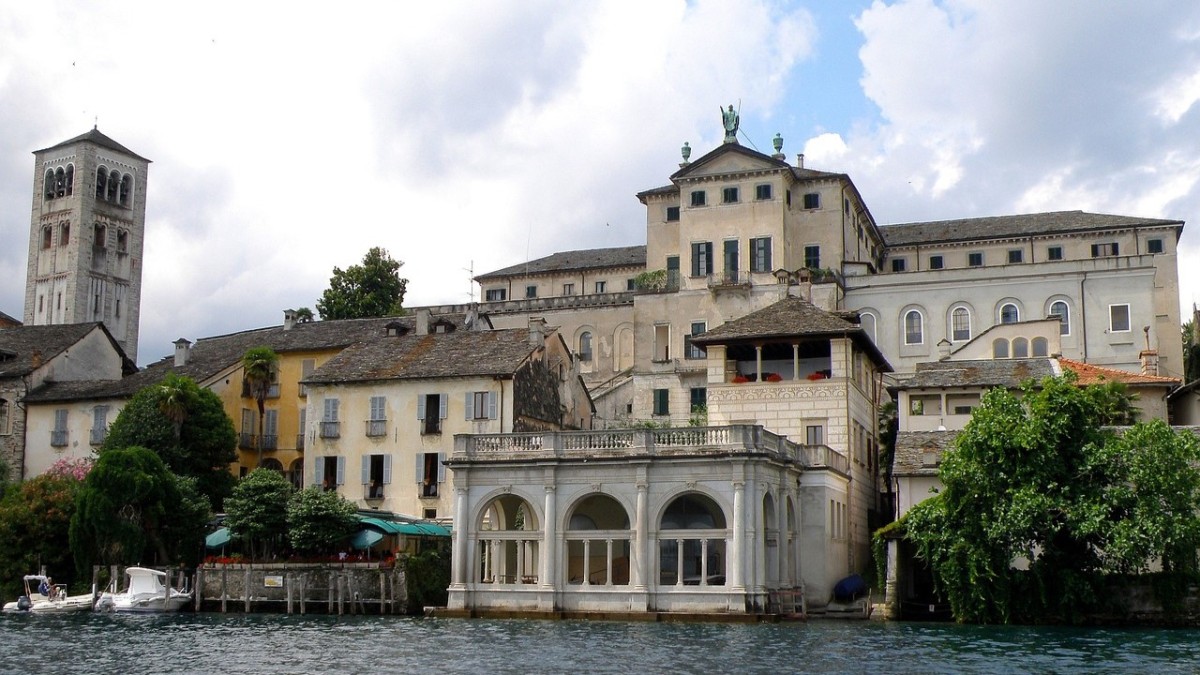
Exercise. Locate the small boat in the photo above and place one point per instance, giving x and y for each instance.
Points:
(42, 596)
(146, 591)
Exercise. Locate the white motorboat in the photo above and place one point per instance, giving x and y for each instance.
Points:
(42, 596)
(146, 590)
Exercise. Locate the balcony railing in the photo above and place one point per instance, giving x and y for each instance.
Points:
(58, 438)
(729, 278)
(376, 427)
(299, 441)
(246, 441)
(270, 442)
(331, 429)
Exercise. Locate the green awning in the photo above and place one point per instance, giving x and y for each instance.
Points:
(219, 538)
(421, 529)
(365, 538)
(385, 526)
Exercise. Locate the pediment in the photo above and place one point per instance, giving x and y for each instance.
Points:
(731, 158)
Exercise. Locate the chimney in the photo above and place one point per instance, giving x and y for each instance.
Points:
(423, 321)
(944, 347)
(537, 332)
(183, 349)
(289, 319)
(800, 161)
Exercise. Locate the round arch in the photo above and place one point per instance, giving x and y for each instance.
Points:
(692, 534)
(598, 542)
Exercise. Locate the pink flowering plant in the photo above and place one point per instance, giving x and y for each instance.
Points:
(76, 468)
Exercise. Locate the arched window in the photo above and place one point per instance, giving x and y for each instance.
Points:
(114, 182)
(1009, 313)
(47, 236)
(64, 233)
(867, 321)
(99, 236)
(914, 332)
(60, 182)
(48, 184)
(598, 543)
(1060, 310)
(999, 348)
(272, 464)
(101, 182)
(960, 324)
(70, 179)
(585, 346)
(509, 539)
(5, 428)
(1041, 346)
(122, 241)
(691, 542)
(1020, 348)
(126, 190)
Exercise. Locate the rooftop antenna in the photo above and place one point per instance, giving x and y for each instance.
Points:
(470, 281)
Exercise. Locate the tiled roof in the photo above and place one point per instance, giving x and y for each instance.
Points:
(24, 348)
(1004, 227)
(791, 317)
(83, 390)
(911, 447)
(1008, 373)
(457, 354)
(586, 259)
(94, 136)
(8, 321)
(1092, 374)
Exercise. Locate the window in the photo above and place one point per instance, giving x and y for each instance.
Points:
(99, 424)
(431, 410)
(430, 472)
(936, 262)
(1060, 310)
(812, 200)
(114, 182)
(729, 195)
(1015, 256)
(481, 405)
(812, 257)
(702, 258)
(101, 182)
(960, 324)
(1105, 250)
(662, 402)
(999, 348)
(925, 404)
(698, 397)
(58, 437)
(913, 329)
(246, 436)
(897, 264)
(1020, 348)
(1041, 346)
(330, 472)
(377, 422)
(99, 236)
(975, 259)
(303, 427)
(531, 291)
(762, 192)
(814, 434)
(126, 190)
(429, 514)
(662, 342)
(760, 254)
(1118, 318)
(601, 286)
(1009, 313)
(698, 198)
(672, 214)
(376, 472)
(270, 437)
(585, 346)
(867, 321)
(64, 233)
(330, 427)
(962, 404)
(691, 351)
(122, 241)
(307, 366)
(568, 289)
(672, 272)
(496, 294)
(631, 284)
(731, 259)
(5, 417)
(1154, 246)
(1054, 253)
(47, 236)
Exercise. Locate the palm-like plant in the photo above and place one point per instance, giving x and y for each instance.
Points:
(174, 397)
(258, 369)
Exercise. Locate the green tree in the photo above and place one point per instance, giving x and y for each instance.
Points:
(304, 315)
(1191, 352)
(371, 289)
(257, 510)
(319, 520)
(192, 433)
(132, 509)
(258, 367)
(35, 518)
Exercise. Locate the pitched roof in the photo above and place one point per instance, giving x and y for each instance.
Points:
(1088, 373)
(7, 321)
(1005, 227)
(23, 349)
(83, 390)
(94, 136)
(726, 148)
(911, 447)
(791, 317)
(585, 259)
(404, 357)
(1008, 373)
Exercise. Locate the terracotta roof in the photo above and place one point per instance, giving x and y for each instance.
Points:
(911, 447)
(1093, 374)
(1005, 227)
(25, 348)
(94, 136)
(457, 354)
(1008, 373)
(595, 258)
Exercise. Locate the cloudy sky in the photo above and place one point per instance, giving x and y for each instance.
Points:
(471, 136)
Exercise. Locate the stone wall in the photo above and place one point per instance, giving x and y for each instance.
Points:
(350, 588)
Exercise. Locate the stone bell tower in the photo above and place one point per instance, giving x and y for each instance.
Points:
(86, 236)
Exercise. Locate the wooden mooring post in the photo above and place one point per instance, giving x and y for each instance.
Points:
(303, 591)
(224, 588)
(246, 589)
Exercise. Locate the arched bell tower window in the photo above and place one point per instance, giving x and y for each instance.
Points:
(114, 181)
(48, 184)
(70, 177)
(126, 190)
(101, 182)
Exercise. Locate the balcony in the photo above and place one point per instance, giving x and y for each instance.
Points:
(376, 428)
(58, 438)
(246, 441)
(331, 429)
(270, 442)
(299, 441)
(729, 279)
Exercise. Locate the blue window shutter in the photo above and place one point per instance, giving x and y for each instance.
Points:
(341, 470)
(387, 469)
(470, 405)
(491, 397)
(366, 469)
(420, 470)
(318, 466)
(421, 407)
(441, 467)
(442, 399)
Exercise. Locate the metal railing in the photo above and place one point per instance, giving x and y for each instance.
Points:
(376, 427)
(331, 429)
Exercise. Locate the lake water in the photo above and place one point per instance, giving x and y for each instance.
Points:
(214, 643)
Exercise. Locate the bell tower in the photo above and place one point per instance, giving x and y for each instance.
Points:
(86, 236)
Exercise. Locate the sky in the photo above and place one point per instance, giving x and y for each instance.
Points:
(465, 137)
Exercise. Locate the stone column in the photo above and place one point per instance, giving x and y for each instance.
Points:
(461, 556)
(737, 555)
(796, 361)
(640, 534)
(758, 363)
(549, 532)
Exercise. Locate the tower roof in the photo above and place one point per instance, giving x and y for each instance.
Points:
(98, 138)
